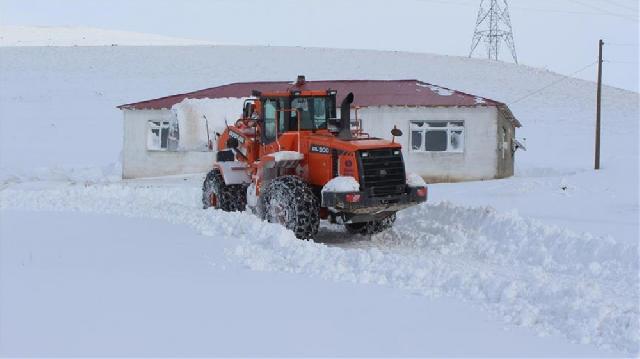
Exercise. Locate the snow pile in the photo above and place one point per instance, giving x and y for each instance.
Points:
(68, 174)
(281, 156)
(527, 273)
(414, 180)
(191, 113)
(342, 184)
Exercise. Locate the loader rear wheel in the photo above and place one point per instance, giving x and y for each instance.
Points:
(373, 227)
(288, 200)
(217, 194)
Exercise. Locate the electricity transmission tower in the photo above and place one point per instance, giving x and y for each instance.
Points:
(493, 26)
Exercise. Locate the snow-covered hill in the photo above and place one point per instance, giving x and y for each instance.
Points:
(553, 249)
(79, 87)
(13, 35)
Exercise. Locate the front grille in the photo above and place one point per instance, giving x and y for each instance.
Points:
(382, 172)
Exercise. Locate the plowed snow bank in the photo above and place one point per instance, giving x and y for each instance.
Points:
(553, 280)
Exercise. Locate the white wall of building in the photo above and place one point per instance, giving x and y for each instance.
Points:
(139, 161)
(482, 157)
(477, 161)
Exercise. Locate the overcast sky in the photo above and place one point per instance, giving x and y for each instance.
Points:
(560, 35)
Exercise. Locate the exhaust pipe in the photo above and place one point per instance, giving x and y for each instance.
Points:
(345, 117)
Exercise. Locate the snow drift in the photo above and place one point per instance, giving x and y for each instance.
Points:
(553, 280)
(199, 117)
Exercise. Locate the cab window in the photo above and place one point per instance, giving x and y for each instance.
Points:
(320, 112)
(313, 110)
(269, 121)
(282, 115)
(301, 104)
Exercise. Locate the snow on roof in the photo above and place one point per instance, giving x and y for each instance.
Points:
(367, 93)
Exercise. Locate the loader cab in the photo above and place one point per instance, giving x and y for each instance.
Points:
(290, 111)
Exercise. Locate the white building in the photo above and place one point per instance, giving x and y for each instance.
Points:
(448, 135)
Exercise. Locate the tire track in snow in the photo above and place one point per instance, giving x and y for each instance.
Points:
(526, 273)
(529, 273)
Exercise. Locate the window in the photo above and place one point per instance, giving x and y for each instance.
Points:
(173, 141)
(269, 121)
(320, 112)
(302, 105)
(437, 136)
(283, 116)
(158, 136)
(314, 112)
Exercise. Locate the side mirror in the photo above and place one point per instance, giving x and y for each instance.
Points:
(396, 132)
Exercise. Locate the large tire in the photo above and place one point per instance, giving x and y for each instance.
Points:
(217, 194)
(373, 227)
(288, 200)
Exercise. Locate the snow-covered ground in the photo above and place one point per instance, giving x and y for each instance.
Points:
(552, 251)
(147, 272)
(14, 35)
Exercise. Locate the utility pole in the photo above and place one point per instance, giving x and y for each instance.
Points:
(598, 98)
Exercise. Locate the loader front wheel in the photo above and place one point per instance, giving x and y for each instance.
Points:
(289, 201)
(217, 194)
(373, 227)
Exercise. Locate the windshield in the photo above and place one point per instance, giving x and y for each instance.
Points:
(314, 112)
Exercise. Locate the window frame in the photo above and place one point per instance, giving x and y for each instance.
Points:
(448, 127)
(162, 125)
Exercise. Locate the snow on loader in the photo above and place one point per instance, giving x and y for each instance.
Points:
(291, 161)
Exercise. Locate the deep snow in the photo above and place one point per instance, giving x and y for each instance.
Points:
(160, 289)
(195, 131)
(558, 255)
(524, 272)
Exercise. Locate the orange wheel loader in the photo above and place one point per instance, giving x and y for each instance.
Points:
(290, 160)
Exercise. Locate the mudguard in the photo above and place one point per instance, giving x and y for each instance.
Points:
(233, 172)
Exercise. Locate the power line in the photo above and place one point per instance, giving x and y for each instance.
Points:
(619, 5)
(512, 7)
(525, 8)
(605, 11)
(554, 83)
(627, 44)
(621, 62)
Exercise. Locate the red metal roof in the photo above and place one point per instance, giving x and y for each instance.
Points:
(366, 93)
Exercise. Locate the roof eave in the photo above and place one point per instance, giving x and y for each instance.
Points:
(506, 112)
